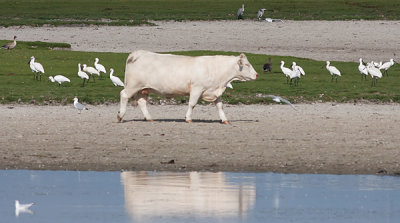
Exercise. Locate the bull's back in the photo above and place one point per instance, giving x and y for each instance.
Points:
(164, 73)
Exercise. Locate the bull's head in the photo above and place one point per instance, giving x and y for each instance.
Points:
(246, 71)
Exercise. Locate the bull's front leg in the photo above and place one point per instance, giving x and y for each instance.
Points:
(218, 104)
(193, 98)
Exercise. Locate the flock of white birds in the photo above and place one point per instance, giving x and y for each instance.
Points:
(98, 69)
(372, 68)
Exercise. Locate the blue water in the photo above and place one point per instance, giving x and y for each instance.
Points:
(66, 196)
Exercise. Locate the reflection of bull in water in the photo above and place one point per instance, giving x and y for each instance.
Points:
(185, 194)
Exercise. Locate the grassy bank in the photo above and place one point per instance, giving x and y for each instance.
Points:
(135, 12)
(17, 84)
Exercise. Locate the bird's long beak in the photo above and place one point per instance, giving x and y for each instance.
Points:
(29, 61)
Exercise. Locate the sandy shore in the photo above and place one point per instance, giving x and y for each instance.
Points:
(318, 138)
(320, 40)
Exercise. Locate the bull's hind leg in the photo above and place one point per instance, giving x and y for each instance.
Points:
(124, 97)
(142, 101)
(218, 104)
(193, 98)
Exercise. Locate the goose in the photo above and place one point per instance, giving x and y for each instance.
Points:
(9, 46)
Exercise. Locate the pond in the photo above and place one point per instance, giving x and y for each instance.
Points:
(124, 197)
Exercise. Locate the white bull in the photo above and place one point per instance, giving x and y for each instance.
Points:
(203, 77)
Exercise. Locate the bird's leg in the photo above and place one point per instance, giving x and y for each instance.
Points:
(94, 80)
(332, 79)
(40, 76)
(287, 80)
(83, 83)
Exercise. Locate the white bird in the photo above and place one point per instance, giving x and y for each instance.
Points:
(99, 67)
(229, 85)
(286, 71)
(260, 13)
(333, 71)
(91, 71)
(36, 68)
(298, 68)
(376, 64)
(78, 105)
(22, 208)
(11, 45)
(374, 72)
(82, 75)
(280, 99)
(240, 12)
(363, 70)
(59, 79)
(273, 20)
(386, 66)
(116, 81)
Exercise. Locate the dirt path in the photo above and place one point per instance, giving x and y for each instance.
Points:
(320, 40)
(318, 138)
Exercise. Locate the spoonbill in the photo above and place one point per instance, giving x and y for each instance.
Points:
(333, 71)
(260, 13)
(9, 46)
(374, 72)
(386, 66)
(298, 68)
(267, 66)
(280, 99)
(115, 80)
(22, 208)
(99, 67)
(363, 70)
(36, 68)
(82, 75)
(91, 71)
(286, 71)
(59, 79)
(240, 12)
(78, 105)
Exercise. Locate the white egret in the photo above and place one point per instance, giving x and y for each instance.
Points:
(91, 71)
(59, 79)
(36, 68)
(374, 72)
(9, 46)
(115, 80)
(240, 12)
(22, 208)
(286, 71)
(78, 105)
(82, 75)
(267, 66)
(280, 99)
(333, 71)
(363, 70)
(260, 13)
(99, 67)
(386, 66)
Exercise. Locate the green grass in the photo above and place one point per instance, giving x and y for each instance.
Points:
(135, 12)
(17, 84)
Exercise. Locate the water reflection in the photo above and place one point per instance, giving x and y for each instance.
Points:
(152, 195)
(128, 197)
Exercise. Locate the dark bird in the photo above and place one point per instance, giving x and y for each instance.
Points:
(267, 66)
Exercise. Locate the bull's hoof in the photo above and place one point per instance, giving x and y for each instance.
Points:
(119, 118)
(189, 121)
(226, 122)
